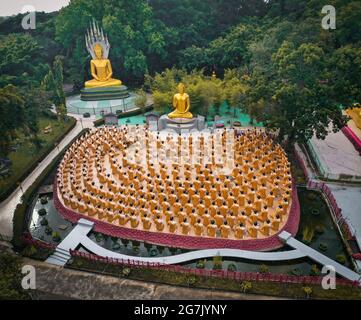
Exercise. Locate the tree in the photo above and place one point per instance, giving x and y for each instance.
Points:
(303, 101)
(133, 33)
(141, 100)
(12, 114)
(53, 84)
(18, 65)
(345, 71)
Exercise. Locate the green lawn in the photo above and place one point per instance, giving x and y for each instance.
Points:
(27, 154)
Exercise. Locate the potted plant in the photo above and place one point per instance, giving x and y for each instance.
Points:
(42, 212)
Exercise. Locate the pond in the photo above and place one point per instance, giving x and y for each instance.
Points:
(316, 229)
(48, 225)
(227, 113)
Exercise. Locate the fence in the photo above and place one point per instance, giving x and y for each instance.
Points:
(28, 239)
(231, 275)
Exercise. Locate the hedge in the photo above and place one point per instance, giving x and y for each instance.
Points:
(133, 113)
(36, 160)
(20, 219)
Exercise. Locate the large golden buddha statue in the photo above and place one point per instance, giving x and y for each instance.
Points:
(101, 70)
(181, 104)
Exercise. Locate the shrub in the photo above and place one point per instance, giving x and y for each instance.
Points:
(48, 231)
(98, 237)
(315, 212)
(44, 222)
(323, 247)
(153, 252)
(341, 259)
(263, 269)
(200, 264)
(42, 212)
(217, 263)
(312, 196)
(136, 250)
(246, 286)
(314, 270)
(126, 272)
(307, 291)
(296, 272)
(232, 267)
(44, 200)
(29, 251)
(307, 235)
(191, 280)
(320, 229)
(56, 237)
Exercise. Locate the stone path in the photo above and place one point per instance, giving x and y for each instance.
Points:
(8, 206)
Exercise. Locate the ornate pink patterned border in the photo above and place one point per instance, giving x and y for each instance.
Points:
(187, 242)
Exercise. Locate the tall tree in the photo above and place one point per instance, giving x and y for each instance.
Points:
(303, 103)
(13, 116)
(53, 84)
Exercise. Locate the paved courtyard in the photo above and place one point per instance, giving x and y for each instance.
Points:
(337, 155)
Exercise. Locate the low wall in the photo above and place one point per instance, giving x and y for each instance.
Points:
(354, 139)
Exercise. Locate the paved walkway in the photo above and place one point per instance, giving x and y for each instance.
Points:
(337, 155)
(8, 206)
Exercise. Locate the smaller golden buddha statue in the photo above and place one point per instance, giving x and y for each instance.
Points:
(181, 104)
(101, 70)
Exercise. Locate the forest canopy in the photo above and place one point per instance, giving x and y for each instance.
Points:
(292, 66)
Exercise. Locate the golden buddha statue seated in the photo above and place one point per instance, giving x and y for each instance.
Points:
(101, 70)
(181, 104)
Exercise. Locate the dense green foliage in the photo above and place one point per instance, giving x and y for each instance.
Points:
(10, 278)
(294, 74)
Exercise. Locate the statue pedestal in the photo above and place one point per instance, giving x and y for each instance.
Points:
(104, 93)
(181, 125)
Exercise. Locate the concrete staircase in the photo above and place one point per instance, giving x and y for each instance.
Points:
(60, 257)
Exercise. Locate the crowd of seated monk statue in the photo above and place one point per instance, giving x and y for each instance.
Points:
(164, 193)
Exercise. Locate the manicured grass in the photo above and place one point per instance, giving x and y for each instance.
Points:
(27, 155)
